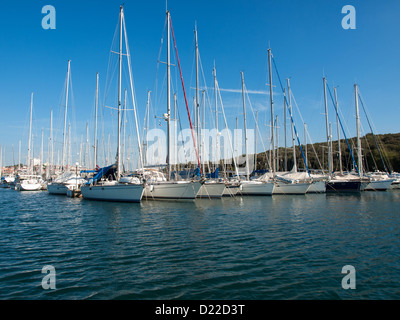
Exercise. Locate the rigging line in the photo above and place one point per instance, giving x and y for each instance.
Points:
(184, 93)
(258, 129)
(291, 118)
(344, 133)
(307, 133)
(373, 135)
(369, 148)
(229, 133)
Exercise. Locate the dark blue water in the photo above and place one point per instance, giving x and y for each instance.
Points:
(279, 247)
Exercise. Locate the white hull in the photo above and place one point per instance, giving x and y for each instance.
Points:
(317, 187)
(379, 185)
(211, 189)
(57, 188)
(28, 186)
(175, 190)
(116, 192)
(257, 188)
(291, 188)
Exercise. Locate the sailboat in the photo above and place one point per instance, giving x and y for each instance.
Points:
(67, 180)
(232, 184)
(375, 182)
(252, 187)
(159, 186)
(285, 183)
(29, 181)
(118, 189)
(339, 182)
(210, 187)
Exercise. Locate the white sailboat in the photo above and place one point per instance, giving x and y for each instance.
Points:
(210, 187)
(67, 180)
(375, 182)
(30, 181)
(252, 187)
(120, 189)
(285, 183)
(161, 187)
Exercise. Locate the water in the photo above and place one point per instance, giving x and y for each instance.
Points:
(279, 247)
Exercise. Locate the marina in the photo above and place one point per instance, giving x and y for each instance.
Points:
(271, 247)
(240, 184)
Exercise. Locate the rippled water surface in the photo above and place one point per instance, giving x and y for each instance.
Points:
(279, 247)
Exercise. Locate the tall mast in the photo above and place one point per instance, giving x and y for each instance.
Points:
(284, 125)
(146, 128)
(87, 162)
(64, 151)
(30, 137)
(330, 169)
(272, 110)
(197, 89)
(202, 157)
(292, 127)
(255, 143)
(305, 144)
(51, 156)
(277, 143)
(359, 152)
(95, 122)
(119, 96)
(19, 155)
(338, 132)
(124, 126)
(216, 119)
(41, 156)
(69, 146)
(245, 128)
(168, 97)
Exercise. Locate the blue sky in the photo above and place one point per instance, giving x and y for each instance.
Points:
(306, 38)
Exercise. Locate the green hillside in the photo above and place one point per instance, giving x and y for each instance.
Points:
(374, 158)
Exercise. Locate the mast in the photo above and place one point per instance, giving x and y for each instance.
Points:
(330, 169)
(284, 125)
(41, 156)
(64, 151)
(255, 143)
(277, 143)
(19, 155)
(146, 128)
(272, 110)
(338, 131)
(69, 145)
(292, 127)
(202, 145)
(30, 137)
(359, 152)
(168, 97)
(51, 156)
(305, 143)
(124, 141)
(119, 97)
(197, 89)
(245, 129)
(87, 162)
(95, 122)
(216, 119)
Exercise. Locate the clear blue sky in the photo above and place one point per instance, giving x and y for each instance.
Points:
(306, 38)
